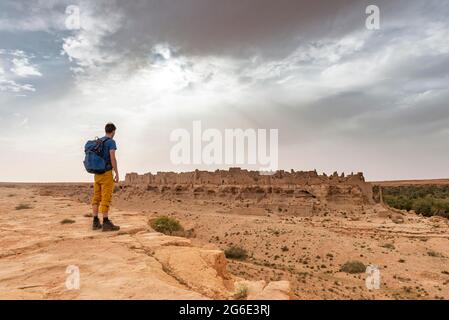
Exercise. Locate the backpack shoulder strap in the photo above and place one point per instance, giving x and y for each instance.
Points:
(100, 143)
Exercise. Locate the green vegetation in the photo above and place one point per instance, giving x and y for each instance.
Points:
(353, 267)
(166, 225)
(236, 253)
(428, 200)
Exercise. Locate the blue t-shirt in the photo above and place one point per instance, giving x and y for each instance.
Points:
(108, 145)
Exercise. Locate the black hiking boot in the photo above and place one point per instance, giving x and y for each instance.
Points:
(96, 225)
(109, 226)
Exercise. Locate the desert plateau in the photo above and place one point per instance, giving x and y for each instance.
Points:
(292, 235)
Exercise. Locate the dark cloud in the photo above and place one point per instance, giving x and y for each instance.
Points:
(263, 27)
(238, 27)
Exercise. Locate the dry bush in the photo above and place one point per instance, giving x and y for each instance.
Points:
(353, 267)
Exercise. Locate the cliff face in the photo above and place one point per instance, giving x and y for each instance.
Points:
(297, 193)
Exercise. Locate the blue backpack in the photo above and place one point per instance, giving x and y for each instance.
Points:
(93, 162)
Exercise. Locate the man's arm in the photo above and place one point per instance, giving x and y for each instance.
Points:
(114, 165)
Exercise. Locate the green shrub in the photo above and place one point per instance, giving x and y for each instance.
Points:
(428, 200)
(353, 267)
(423, 206)
(236, 253)
(166, 225)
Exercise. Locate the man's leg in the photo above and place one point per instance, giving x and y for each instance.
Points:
(107, 189)
(95, 204)
(95, 210)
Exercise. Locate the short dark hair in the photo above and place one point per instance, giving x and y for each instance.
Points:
(109, 128)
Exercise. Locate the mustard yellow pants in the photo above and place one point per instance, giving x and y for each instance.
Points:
(103, 188)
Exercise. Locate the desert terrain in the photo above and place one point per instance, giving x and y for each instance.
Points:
(42, 235)
(298, 231)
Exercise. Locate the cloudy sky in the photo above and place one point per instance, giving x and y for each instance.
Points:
(343, 97)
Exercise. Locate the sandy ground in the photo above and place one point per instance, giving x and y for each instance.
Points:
(411, 252)
(37, 249)
(309, 251)
(43, 237)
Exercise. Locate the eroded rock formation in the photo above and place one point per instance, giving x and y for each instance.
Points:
(294, 192)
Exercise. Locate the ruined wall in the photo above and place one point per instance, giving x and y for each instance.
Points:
(244, 183)
(237, 176)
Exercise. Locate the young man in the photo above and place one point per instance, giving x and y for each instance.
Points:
(104, 183)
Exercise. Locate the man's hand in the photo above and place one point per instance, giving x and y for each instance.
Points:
(114, 165)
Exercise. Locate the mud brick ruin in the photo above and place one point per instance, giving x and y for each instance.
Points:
(294, 192)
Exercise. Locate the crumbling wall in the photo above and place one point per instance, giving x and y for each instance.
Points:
(237, 176)
(297, 184)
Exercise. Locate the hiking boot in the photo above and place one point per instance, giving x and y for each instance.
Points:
(109, 226)
(96, 225)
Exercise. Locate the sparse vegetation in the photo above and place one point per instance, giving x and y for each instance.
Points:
(23, 206)
(241, 293)
(236, 253)
(166, 225)
(435, 254)
(67, 221)
(353, 267)
(428, 200)
(388, 246)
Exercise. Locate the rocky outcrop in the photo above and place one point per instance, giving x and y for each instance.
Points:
(294, 192)
(238, 176)
(135, 263)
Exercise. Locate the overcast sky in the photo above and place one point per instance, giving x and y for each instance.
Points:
(343, 97)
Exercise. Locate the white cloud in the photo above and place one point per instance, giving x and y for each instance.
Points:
(12, 86)
(85, 46)
(23, 68)
(33, 16)
(20, 67)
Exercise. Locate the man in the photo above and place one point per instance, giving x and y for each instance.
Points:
(104, 183)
